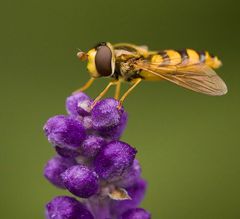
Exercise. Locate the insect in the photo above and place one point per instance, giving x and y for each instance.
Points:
(125, 62)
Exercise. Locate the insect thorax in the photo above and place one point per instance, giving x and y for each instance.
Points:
(125, 71)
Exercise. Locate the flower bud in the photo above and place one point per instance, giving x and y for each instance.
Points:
(63, 207)
(55, 167)
(114, 159)
(92, 145)
(80, 181)
(67, 152)
(131, 175)
(136, 213)
(64, 131)
(87, 122)
(78, 104)
(108, 119)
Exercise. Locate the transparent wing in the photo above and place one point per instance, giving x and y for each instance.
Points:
(198, 77)
(131, 48)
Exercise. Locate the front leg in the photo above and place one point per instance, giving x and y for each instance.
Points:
(103, 92)
(118, 89)
(85, 86)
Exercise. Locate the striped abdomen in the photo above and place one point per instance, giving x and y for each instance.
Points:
(184, 57)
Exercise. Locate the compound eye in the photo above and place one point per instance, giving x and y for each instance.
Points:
(103, 60)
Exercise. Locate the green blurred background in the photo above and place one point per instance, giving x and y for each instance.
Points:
(188, 143)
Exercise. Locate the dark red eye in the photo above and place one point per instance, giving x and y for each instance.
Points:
(103, 60)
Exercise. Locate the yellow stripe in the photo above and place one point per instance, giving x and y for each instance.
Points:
(212, 62)
(209, 60)
(217, 63)
(157, 59)
(174, 57)
(193, 56)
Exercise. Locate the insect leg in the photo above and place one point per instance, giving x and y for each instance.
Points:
(117, 91)
(103, 92)
(135, 83)
(85, 86)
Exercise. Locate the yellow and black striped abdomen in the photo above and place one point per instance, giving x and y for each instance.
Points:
(184, 57)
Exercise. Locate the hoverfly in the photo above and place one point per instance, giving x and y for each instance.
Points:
(125, 62)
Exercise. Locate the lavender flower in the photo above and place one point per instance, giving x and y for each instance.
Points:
(114, 159)
(64, 131)
(92, 145)
(78, 104)
(137, 213)
(63, 207)
(55, 167)
(67, 152)
(132, 175)
(136, 192)
(108, 120)
(93, 164)
(81, 181)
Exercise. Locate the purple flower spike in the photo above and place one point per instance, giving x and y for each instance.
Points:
(92, 145)
(81, 181)
(55, 167)
(78, 104)
(115, 158)
(92, 163)
(137, 213)
(64, 131)
(108, 119)
(63, 207)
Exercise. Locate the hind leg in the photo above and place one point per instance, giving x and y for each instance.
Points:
(103, 92)
(135, 83)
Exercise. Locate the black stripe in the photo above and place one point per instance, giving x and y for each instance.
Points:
(165, 57)
(184, 54)
(211, 55)
(202, 56)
